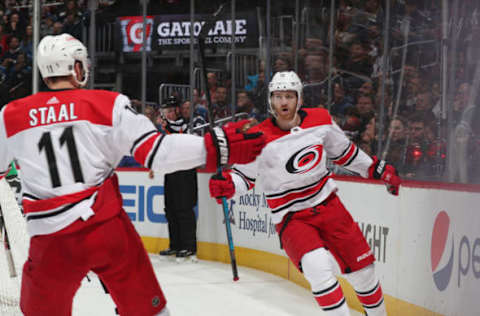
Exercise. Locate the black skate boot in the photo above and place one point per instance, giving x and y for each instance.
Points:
(184, 255)
(168, 252)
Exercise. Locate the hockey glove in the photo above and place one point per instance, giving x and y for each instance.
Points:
(380, 169)
(229, 145)
(221, 185)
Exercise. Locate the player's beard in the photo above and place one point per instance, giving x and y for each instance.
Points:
(288, 123)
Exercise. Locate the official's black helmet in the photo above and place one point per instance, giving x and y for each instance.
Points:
(170, 102)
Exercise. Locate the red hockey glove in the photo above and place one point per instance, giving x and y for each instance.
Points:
(221, 185)
(229, 145)
(380, 169)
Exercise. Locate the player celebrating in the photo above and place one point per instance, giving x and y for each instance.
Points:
(67, 142)
(313, 225)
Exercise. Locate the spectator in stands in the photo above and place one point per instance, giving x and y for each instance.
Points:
(57, 28)
(221, 109)
(341, 101)
(368, 140)
(246, 105)
(20, 71)
(46, 26)
(27, 42)
(358, 62)
(424, 105)
(396, 152)
(15, 26)
(3, 40)
(198, 119)
(365, 105)
(73, 25)
(418, 164)
(283, 62)
(253, 79)
(14, 49)
(316, 87)
(462, 101)
(212, 83)
(70, 8)
(366, 89)
(199, 106)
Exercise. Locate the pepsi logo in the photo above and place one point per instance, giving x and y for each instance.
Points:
(442, 251)
(305, 159)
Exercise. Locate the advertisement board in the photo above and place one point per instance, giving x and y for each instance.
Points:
(426, 241)
(172, 31)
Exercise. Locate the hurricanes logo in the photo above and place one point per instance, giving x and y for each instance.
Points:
(442, 250)
(305, 159)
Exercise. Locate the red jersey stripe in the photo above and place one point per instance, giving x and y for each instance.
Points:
(141, 152)
(278, 202)
(344, 159)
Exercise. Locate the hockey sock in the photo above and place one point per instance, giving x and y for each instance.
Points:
(319, 271)
(332, 301)
(368, 290)
(372, 301)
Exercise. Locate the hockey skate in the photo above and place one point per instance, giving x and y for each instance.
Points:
(168, 254)
(186, 256)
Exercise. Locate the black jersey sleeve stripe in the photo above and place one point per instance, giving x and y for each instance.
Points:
(138, 140)
(154, 152)
(343, 153)
(243, 175)
(353, 157)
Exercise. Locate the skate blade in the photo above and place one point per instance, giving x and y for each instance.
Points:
(192, 259)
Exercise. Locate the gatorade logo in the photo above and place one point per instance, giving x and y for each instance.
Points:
(442, 250)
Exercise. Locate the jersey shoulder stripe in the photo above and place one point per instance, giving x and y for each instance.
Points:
(51, 107)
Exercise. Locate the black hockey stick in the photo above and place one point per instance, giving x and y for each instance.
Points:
(201, 47)
(6, 244)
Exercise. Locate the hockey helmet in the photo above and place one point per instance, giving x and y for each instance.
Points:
(57, 55)
(170, 102)
(285, 81)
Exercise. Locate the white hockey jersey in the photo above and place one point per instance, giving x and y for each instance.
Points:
(69, 141)
(293, 163)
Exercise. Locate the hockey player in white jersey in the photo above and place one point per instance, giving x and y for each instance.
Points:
(314, 227)
(68, 142)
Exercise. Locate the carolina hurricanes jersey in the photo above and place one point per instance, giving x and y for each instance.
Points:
(293, 163)
(69, 141)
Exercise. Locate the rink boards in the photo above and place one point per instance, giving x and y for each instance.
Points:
(427, 241)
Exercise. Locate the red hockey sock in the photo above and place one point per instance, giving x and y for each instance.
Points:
(373, 298)
(330, 298)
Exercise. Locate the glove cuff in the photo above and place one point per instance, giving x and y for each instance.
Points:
(218, 152)
(377, 168)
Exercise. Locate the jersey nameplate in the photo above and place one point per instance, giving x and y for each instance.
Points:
(52, 114)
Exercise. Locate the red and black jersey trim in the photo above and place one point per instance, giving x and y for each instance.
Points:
(30, 196)
(347, 156)
(249, 182)
(140, 139)
(34, 216)
(154, 152)
(315, 188)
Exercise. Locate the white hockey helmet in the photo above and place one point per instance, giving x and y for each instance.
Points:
(56, 56)
(285, 81)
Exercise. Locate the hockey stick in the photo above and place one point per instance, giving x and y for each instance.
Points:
(201, 47)
(6, 244)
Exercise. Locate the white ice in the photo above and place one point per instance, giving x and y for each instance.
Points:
(206, 288)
